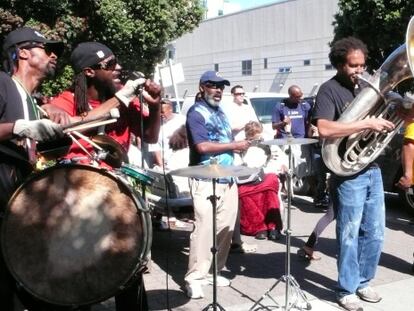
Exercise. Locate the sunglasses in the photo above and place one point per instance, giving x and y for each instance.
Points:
(239, 94)
(46, 48)
(108, 65)
(214, 86)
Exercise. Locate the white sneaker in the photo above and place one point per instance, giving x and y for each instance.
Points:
(193, 289)
(350, 302)
(368, 294)
(221, 280)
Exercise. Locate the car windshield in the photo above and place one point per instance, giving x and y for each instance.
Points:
(264, 107)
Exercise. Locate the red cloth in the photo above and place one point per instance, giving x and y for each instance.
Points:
(127, 123)
(260, 206)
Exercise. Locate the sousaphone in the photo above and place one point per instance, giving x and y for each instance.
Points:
(375, 100)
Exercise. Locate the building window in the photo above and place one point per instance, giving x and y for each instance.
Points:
(216, 67)
(285, 69)
(220, 13)
(246, 68)
(306, 62)
(170, 54)
(265, 63)
(329, 67)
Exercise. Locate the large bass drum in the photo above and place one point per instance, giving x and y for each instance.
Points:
(73, 235)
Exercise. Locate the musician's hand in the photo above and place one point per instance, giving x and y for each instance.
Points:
(242, 145)
(152, 93)
(57, 114)
(39, 130)
(286, 120)
(404, 183)
(380, 124)
(128, 92)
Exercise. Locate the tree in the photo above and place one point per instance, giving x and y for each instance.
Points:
(136, 30)
(381, 24)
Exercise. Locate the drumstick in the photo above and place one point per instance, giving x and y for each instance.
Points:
(42, 111)
(80, 145)
(88, 140)
(89, 124)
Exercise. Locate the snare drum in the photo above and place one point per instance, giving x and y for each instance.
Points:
(74, 235)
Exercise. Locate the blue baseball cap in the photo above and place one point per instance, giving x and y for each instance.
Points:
(214, 77)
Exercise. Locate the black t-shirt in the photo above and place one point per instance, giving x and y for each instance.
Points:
(12, 170)
(11, 108)
(332, 99)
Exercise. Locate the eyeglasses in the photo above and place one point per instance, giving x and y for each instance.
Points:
(108, 65)
(214, 86)
(239, 94)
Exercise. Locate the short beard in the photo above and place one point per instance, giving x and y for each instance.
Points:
(210, 100)
(106, 89)
(50, 72)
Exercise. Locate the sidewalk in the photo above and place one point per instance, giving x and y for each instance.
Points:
(253, 274)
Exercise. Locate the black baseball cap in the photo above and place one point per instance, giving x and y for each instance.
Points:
(29, 35)
(88, 54)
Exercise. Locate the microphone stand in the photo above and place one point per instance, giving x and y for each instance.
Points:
(141, 130)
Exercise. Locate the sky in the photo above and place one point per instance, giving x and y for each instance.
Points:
(246, 4)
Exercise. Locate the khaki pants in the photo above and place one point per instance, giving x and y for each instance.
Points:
(201, 240)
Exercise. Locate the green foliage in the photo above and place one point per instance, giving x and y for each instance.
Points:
(63, 81)
(136, 30)
(381, 24)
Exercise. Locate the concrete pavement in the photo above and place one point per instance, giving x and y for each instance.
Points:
(253, 274)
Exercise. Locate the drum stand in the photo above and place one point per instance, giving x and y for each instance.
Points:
(292, 286)
(213, 199)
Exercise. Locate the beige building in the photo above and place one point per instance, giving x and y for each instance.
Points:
(265, 49)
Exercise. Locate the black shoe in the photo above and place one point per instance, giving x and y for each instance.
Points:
(274, 235)
(261, 235)
(322, 203)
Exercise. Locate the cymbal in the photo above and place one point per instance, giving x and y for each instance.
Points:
(214, 171)
(116, 153)
(290, 141)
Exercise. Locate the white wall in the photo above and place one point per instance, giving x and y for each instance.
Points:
(286, 33)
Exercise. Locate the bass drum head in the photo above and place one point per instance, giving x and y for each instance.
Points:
(75, 235)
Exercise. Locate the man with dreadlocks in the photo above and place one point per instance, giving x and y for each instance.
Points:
(28, 58)
(94, 91)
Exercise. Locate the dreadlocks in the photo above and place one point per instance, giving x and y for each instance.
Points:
(80, 87)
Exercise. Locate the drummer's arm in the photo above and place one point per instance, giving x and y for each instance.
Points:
(6, 131)
(101, 110)
(213, 147)
(152, 124)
